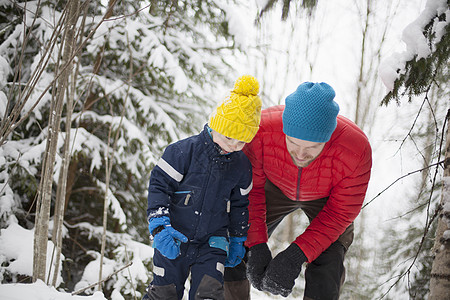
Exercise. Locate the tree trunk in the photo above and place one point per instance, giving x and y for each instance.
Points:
(105, 211)
(61, 191)
(440, 271)
(45, 195)
(109, 157)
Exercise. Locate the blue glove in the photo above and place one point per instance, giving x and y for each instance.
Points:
(166, 239)
(157, 222)
(236, 251)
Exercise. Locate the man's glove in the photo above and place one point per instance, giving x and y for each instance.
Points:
(283, 270)
(236, 251)
(259, 257)
(166, 239)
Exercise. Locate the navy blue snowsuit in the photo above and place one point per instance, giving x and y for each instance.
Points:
(205, 195)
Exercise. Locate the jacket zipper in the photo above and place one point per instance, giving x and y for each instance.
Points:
(297, 197)
(202, 197)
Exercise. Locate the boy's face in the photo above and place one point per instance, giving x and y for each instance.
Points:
(303, 152)
(227, 144)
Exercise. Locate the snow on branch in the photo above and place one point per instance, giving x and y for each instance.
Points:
(418, 44)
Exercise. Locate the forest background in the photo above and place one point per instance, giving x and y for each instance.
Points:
(93, 91)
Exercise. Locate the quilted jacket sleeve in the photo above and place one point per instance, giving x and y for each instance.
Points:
(164, 179)
(341, 209)
(257, 232)
(239, 202)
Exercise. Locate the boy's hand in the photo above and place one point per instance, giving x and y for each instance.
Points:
(236, 252)
(166, 239)
(168, 242)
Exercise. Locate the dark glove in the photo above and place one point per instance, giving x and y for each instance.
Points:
(283, 270)
(166, 239)
(259, 257)
(236, 251)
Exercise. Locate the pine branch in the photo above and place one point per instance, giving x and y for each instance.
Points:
(11, 125)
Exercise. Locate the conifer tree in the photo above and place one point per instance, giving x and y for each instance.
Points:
(145, 73)
(424, 270)
(420, 73)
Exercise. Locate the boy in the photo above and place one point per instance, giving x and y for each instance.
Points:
(198, 198)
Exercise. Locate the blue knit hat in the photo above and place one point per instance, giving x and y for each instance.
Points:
(310, 112)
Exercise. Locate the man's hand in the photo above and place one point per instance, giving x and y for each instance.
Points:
(282, 271)
(259, 257)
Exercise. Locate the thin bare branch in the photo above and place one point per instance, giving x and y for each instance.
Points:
(103, 280)
(429, 219)
(400, 178)
(399, 277)
(4, 132)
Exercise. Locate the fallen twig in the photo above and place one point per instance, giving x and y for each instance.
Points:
(103, 280)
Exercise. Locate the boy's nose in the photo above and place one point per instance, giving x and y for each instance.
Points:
(234, 147)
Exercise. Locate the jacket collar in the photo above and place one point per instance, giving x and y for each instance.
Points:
(212, 149)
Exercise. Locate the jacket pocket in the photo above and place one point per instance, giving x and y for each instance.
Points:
(182, 198)
(219, 242)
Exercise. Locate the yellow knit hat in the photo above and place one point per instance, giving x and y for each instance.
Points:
(239, 114)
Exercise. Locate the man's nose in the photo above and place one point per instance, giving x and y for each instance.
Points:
(301, 152)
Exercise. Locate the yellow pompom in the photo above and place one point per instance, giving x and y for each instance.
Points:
(239, 114)
(246, 85)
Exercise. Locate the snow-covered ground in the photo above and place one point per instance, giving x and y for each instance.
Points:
(40, 291)
(16, 245)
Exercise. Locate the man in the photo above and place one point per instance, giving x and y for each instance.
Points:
(303, 156)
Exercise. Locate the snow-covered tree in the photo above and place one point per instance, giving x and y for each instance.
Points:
(425, 62)
(142, 74)
(421, 72)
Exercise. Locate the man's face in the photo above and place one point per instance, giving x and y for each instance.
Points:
(227, 144)
(303, 152)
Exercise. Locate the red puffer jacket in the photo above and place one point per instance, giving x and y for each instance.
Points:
(341, 172)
